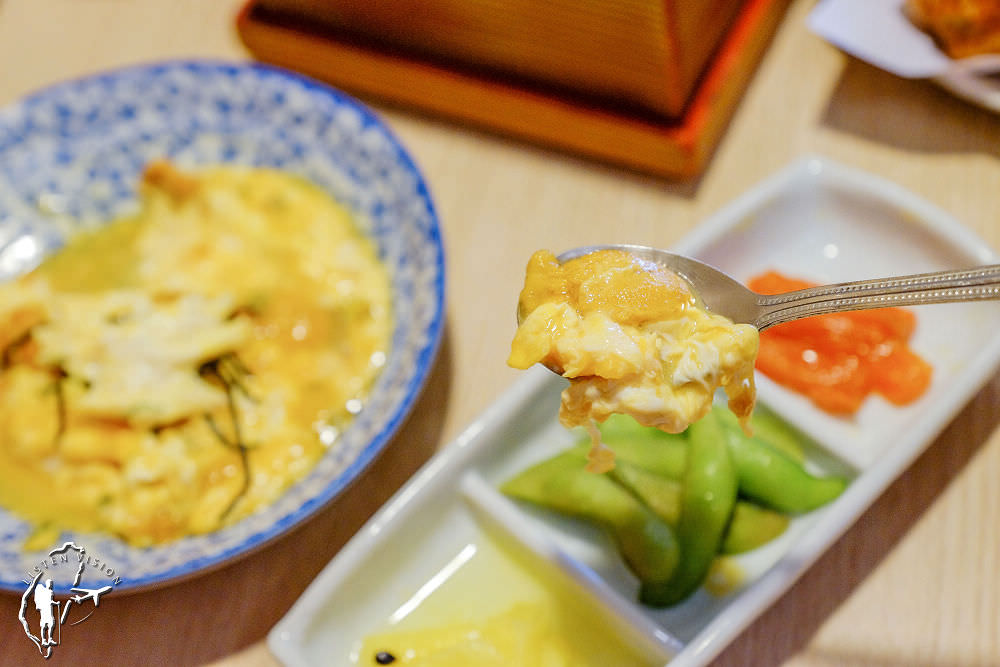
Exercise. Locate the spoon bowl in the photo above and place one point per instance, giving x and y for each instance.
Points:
(724, 295)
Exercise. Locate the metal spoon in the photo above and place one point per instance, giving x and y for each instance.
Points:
(726, 296)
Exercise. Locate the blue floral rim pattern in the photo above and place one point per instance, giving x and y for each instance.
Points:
(72, 154)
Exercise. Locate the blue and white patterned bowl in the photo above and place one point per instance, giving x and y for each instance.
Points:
(75, 151)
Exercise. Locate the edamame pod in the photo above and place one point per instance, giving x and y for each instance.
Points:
(752, 526)
(766, 426)
(707, 500)
(661, 494)
(771, 429)
(561, 483)
(649, 448)
(776, 481)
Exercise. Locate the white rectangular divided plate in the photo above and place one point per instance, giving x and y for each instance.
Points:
(816, 220)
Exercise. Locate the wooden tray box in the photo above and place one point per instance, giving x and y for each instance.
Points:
(641, 83)
(640, 54)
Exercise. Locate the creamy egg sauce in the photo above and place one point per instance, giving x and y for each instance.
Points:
(632, 338)
(173, 372)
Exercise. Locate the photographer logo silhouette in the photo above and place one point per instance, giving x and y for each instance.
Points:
(40, 611)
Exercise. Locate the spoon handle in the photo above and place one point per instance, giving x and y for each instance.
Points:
(976, 284)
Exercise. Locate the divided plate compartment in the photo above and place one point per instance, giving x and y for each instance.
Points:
(815, 219)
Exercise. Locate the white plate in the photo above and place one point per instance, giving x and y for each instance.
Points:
(878, 32)
(976, 80)
(815, 219)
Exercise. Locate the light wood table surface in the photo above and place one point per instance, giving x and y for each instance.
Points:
(915, 582)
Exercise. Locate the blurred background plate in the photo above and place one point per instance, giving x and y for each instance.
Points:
(73, 153)
(882, 34)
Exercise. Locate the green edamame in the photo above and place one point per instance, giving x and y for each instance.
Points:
(766, 426)
(752, 526)
(771, 429)
(649, 448)
(561, 483)
(776, 481)
(674, 503)
(707, 500)
(661, 494)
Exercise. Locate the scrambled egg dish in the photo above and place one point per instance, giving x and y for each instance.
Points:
(632, 338)
(172, 372)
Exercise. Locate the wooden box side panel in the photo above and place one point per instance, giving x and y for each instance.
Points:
(645, 54)
(676, 149)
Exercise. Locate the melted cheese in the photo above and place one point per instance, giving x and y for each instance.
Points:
(632, 338)
(175, 371)
(137, 355)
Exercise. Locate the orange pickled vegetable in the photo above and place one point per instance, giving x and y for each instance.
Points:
(837, 360)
